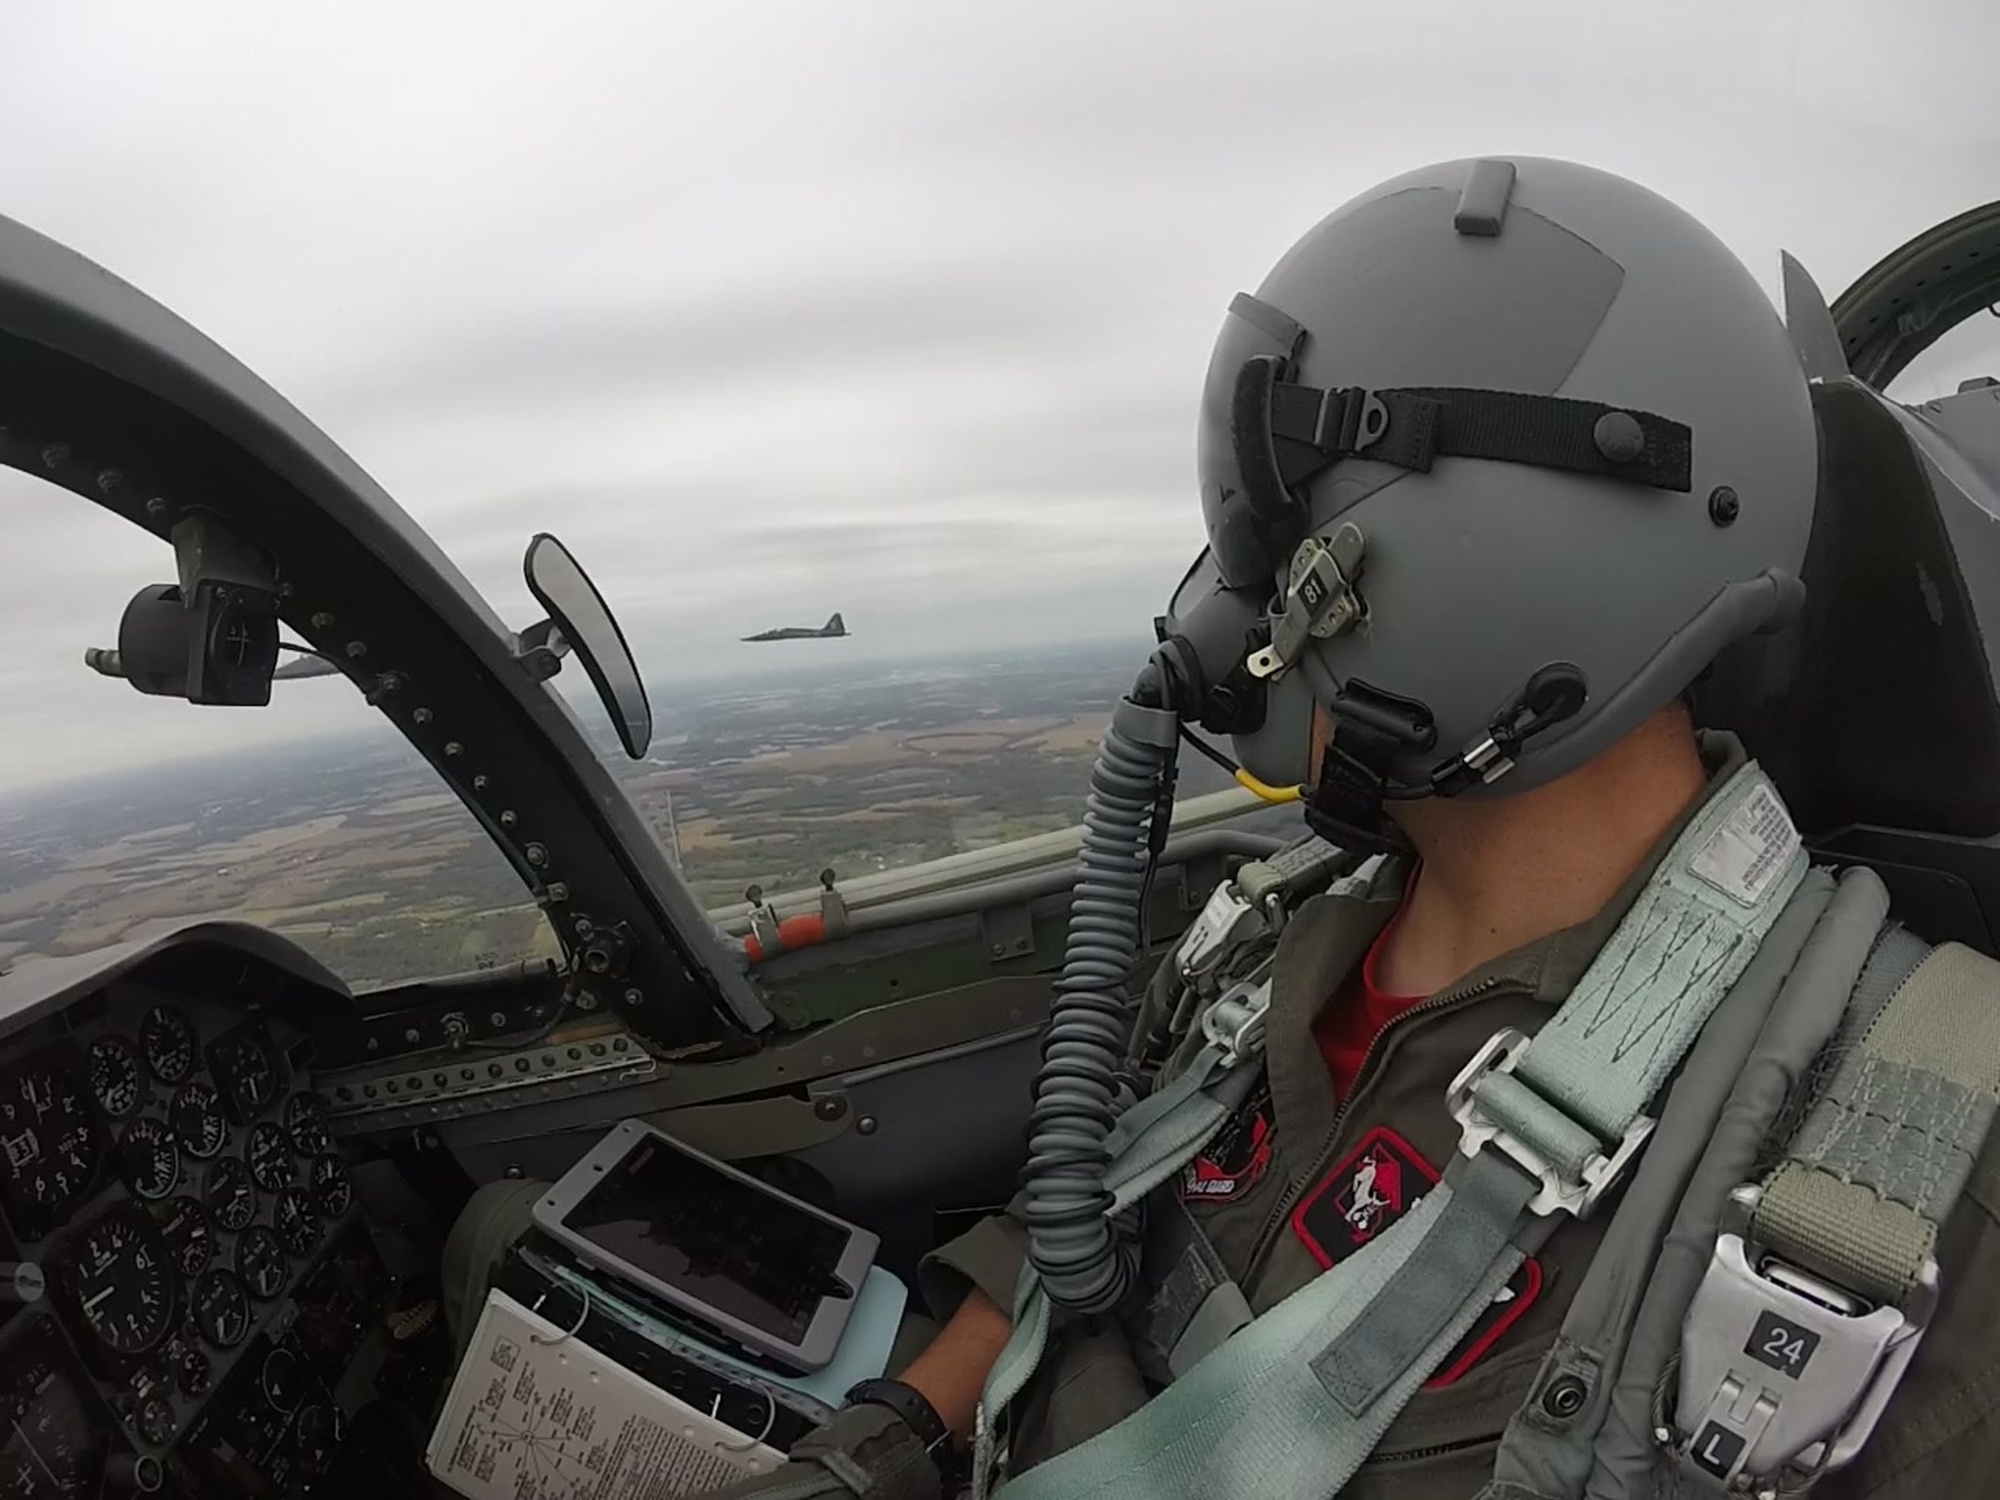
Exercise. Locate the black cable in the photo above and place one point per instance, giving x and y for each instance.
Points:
(521, 1044)
(1203, 748)
(1156, 846)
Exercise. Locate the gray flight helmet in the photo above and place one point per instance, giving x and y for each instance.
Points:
(1508, 451)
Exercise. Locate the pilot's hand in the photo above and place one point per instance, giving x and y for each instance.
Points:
(865, 1452)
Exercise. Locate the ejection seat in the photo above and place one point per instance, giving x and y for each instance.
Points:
(1877, 711)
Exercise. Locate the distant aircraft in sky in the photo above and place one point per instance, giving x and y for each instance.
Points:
(834, 627)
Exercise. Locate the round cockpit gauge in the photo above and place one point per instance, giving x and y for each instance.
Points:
(156, 1422)
(168, 1039)
(331, 1188)
(305, 1123)
(297, 1221)
(196, 1115)
(244, 1070)
(318, 1430)
(49, 1144)
(192, 1371)
(284, 1380)
(230, 1194)
(117, 1078)
(149, 1160)
(270, 1157)
(222, 1308)
(260, 1261)
(119, 1274)
(185, 1224)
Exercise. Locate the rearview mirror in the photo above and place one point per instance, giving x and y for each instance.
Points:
(575, 607)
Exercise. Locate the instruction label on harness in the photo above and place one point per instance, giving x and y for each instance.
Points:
(1751, 849)
(536, 1415)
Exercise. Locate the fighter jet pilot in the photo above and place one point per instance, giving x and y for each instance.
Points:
(1515, 450)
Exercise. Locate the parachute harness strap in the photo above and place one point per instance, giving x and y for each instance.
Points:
(1825, 1276)
(1295, 1402)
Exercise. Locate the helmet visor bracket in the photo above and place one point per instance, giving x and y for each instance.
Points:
(1253, 518)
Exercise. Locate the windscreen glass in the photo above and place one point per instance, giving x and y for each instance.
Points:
(123, 816)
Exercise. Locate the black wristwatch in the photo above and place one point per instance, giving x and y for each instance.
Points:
(917, 1413)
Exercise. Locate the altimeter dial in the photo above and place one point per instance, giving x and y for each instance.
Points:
(119, 1274)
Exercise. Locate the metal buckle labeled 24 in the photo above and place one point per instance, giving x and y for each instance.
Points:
(1781, 1369)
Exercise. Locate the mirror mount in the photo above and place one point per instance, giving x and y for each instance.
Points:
(540, 650)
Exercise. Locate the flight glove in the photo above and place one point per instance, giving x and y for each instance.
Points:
(865, 1452)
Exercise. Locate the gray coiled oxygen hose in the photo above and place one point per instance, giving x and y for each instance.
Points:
(1086, 1264)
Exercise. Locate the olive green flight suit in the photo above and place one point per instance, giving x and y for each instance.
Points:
(1940, 1436)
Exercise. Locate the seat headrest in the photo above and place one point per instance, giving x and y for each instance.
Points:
(1878, 705)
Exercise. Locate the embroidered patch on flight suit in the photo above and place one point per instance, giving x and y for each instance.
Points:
(1230, 1165)
(1501, 1314)
(1378, 1182)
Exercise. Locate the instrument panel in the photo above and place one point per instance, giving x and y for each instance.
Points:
(166, 1169)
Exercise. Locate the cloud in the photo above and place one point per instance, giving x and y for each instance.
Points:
(895, 309)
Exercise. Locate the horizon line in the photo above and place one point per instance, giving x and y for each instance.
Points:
(12, 792)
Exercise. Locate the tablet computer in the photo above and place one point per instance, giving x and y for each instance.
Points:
(769, 1272)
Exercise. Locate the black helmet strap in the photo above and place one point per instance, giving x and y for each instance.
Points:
(1345, 805)
(1313, 428)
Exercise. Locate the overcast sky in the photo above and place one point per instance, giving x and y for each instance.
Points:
(893, 308)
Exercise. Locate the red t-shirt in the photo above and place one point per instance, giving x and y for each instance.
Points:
(1356, 1017)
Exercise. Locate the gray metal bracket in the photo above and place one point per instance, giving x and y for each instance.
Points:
(1007, 931)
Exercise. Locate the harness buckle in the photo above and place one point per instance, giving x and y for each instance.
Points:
(1781, 1368)
(1234, 1024)
(1574, 1195)
(1225, 925)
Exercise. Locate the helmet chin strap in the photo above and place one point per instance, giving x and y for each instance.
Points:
(1348, 803)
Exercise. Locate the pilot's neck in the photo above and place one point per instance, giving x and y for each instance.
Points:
(1495, 875)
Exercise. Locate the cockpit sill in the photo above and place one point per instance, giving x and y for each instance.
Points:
(906, 934)
(976, 875)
